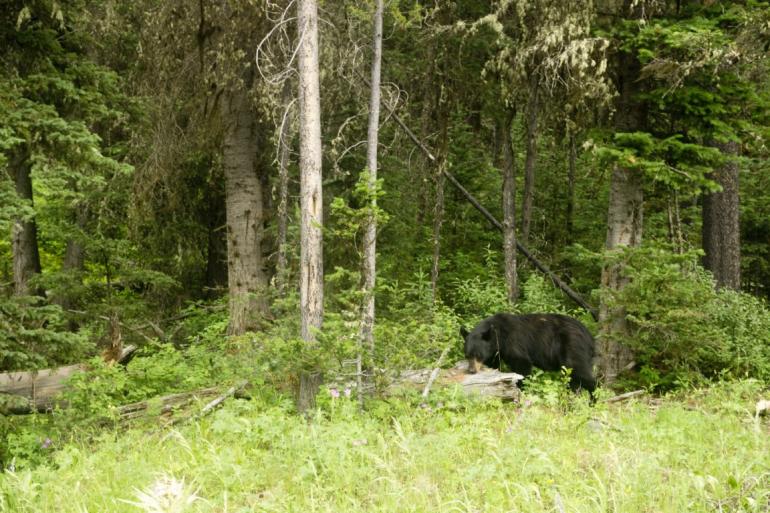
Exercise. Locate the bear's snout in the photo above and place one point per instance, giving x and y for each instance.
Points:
(474, 365)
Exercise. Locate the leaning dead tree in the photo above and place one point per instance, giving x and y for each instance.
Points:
(577, 298)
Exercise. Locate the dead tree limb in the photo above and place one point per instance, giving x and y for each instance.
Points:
(434, 374)
(577, 298)
(211, 406)
(624, 397)
(165, 404)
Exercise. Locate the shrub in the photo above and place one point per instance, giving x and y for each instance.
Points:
(683, 329)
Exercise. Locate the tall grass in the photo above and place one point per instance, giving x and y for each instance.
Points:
(701, 453)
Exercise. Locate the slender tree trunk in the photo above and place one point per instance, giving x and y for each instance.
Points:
(311, 200)
(721, 223)
(531, 161)
(438, 220)
(509, 206)
(26, 258)
(624, 225)
(246, 276)
(675, 224)
(73, 265)
(370, 232)
(571, 170)
(282, 265)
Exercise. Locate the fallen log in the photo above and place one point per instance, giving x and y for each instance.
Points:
(27, 391)
(211, 406)
(487, 383)
(163, 405)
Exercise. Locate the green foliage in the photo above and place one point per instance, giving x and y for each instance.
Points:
(685, 330)
(33, 335)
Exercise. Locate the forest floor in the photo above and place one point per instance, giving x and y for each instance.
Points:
(700, 451)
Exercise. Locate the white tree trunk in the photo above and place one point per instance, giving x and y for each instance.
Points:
(311, 200)
(370, 233)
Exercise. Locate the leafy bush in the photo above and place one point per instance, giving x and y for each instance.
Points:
(684, 329)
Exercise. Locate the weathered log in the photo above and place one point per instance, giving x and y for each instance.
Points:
(165, 404)
(27, 391)
(488, 383)
(211, 406)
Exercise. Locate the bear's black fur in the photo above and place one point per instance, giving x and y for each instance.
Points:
(546, 341)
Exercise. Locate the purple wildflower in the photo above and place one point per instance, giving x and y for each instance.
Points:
(347, 392)
(46, 444)
(334, 393)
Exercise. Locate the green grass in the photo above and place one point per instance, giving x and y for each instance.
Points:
(700, 452)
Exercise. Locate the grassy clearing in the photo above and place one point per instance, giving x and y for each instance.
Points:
(703, 452)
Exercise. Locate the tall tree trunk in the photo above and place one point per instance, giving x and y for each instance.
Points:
(571, 170)
(370, 234)
(624, 224)
(311, 199)
(282, 265)
(721, 223)
(246, 277)
(438, 220)
(531, 161)
(509, 206)
(26, 257)
(675, 223)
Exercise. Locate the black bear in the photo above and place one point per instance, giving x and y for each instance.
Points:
(546, 341)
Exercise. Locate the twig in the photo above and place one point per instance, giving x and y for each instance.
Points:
(434, 374)
(623, 397)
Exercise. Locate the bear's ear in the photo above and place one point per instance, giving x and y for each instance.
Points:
(487, 334)
(464, 332)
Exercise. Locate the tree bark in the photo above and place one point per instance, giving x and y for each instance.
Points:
(311, 199)
(571, 170)
(26, 257)
(438, 220)
(438, 207)
(675, 224)
(721, 223)
(531, 161)
(624, 224)
(369, 271)
(282, 264)
(509, 206)
(246, 276)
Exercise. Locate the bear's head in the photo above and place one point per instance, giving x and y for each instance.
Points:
(481, 346)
